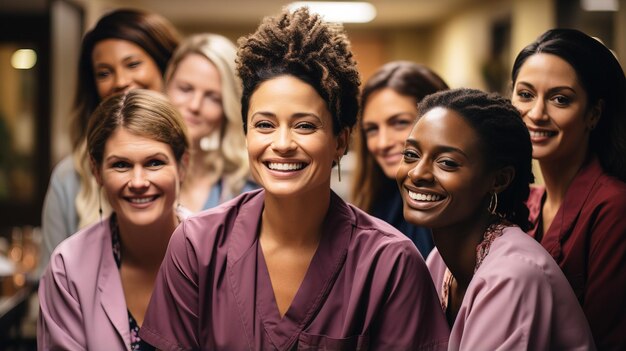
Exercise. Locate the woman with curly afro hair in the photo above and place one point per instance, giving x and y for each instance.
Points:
(292, 266)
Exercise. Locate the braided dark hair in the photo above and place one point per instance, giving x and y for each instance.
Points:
(300, 44)
(505, 142)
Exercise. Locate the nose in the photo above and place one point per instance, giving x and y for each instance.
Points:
(195, 102)
(537, 112)
(421, 173)
(122, 82)
(138, 181)
(383, 140)
(283, 141)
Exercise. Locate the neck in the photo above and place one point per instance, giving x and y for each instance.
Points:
(144, 246)
(196, 168)
(457, 246)
(294, 221)
(558, 175)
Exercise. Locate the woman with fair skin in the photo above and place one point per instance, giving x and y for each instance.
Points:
(95, 292)
(571, 92)
(465, 175)
(126, 49)
(389, 108)
(201, 81)
(292, 266)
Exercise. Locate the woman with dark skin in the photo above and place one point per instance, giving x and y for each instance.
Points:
(388, 110)
(571, 92)
(465, 175)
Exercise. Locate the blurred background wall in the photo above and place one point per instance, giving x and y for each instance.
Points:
(470, 43)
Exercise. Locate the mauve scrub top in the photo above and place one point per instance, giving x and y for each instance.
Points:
(367, 288)
(518, 299)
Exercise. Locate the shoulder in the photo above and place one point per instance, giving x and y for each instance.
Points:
(218, 220)
(609, 191)
(376, 231)
(82, 249)
(516, 259)
(64, 171)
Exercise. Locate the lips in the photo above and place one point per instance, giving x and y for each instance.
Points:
(423, 200)
(424, 197)
(141, 201)
(540, 135)
(285, 166)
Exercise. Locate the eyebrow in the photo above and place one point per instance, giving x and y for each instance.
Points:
(551, 90)
(125, 58)
(394, 116)
(121, 158)
(440, 148)
(293, 116)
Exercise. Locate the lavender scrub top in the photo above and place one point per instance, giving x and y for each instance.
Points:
(367, 288)
(518, 299)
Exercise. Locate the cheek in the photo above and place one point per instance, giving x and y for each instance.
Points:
(400, 135)
(103, 89)
(213, 114)
(403, 172)
(371, 142)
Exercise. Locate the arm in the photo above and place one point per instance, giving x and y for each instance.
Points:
(411, 317)
(604, 300)
(519, 305)
(176, 296)
(57, 221)
(60, 322)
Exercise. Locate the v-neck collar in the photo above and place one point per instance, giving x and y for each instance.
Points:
(252, 286)
(577, 194)
(110, 286)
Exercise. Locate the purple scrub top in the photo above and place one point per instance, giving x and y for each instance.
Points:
(366, 288)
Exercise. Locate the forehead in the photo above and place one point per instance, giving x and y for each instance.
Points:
(445, 127)
(123, 142)
(548, 69)
(386, 102)
(287, 95)
(115, 48)
(198, 65)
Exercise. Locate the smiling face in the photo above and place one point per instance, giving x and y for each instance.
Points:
(554, 107)
(140, 177)
(387, 120)
(290, 138)
(120, 65)
(443, 177)
(196, 90)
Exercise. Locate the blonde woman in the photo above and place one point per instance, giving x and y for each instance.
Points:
(201, 81)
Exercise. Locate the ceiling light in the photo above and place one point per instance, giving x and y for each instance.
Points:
(339, 11)
(23, 59)
(599, 5)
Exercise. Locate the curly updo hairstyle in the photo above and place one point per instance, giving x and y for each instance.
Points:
(300, 44)
(505, 142)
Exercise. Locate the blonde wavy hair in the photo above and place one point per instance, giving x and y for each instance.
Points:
(230, 161)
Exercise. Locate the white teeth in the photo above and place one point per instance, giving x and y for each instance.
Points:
(540, 134)
(285, 166)
(424, 197)
(142, 200)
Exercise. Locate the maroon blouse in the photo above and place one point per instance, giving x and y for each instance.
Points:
(587, 238)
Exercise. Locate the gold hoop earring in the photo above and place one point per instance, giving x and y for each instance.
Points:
(493, 204)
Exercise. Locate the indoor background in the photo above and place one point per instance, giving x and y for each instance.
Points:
(470, 43)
